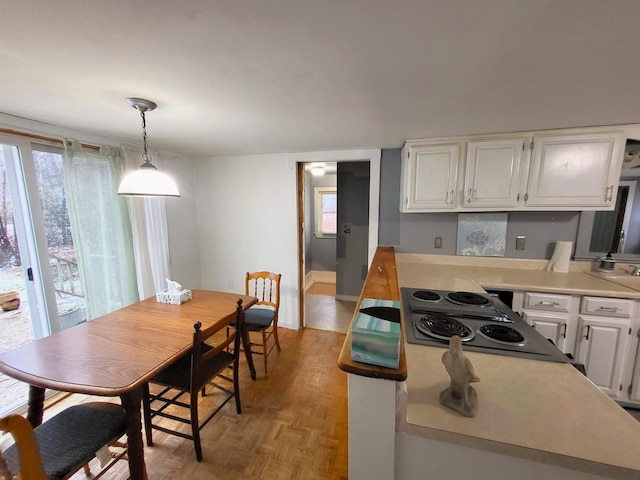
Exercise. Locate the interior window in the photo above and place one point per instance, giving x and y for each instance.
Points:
(326, 211)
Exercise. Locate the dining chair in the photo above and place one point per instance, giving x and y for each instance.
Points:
(208, 362)
(62, 445)
(262, 317)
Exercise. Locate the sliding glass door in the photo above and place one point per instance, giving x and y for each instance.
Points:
(39, 284)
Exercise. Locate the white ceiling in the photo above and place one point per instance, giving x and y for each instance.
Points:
(263, 76)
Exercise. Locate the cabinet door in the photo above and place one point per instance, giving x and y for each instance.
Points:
(580, 170)
(602, 349)
(635, 392)
(556, 328)
(492, 175)
(430, 177)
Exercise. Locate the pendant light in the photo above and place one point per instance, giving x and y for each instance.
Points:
(147, 181)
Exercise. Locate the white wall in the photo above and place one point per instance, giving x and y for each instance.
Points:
(181, 223)
(246, 217)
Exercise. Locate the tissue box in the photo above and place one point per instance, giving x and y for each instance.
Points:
(175, 298)
(374, 340)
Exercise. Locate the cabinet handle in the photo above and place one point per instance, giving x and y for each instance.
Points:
(450, 197)
(608, 309)
(469, 196)
(547, 304)
(608, 196)
(518, 198)
(526, 197)
(564, 331)
(586, 337)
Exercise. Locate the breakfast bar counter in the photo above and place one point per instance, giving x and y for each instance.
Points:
(543, 419)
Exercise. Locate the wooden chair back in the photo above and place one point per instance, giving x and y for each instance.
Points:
(22, 432)
(265, 286)
(203, 353)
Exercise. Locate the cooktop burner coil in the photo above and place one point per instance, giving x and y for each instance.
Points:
(427, 296)
(502, 334)
(468, 298)
(443, 327)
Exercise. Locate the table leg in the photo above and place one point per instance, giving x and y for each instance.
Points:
(36, 405)
(246, 345)
(131, 402)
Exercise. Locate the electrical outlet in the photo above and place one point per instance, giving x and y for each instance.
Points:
(230, 284)
(520, 242)
(437, 242)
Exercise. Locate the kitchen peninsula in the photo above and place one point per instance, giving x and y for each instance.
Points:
(535, 419)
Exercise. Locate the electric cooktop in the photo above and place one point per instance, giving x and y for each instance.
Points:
(483, 322)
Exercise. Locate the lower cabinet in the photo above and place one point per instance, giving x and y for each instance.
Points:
(605, 337)
(554, 316)
(599, 332)
(602, 347)
(634, 388)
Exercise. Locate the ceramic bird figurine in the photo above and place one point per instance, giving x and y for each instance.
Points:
(459, 396)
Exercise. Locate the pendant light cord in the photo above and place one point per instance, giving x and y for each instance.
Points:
(145, 155)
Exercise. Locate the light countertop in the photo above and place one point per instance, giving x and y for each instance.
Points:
(523, 275)
(541, 411)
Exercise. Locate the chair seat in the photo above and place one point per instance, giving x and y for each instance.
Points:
(178, 373)
(259, 317)
(72, 437)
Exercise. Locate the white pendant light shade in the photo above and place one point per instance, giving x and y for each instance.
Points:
(147, 181)
(317, 171)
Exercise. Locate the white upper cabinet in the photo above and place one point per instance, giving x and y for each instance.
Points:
(492, 173)
(579, 171)
(429, 177)
(552, 170)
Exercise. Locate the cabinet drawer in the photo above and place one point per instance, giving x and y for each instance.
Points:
(546, 301)
(617, 307)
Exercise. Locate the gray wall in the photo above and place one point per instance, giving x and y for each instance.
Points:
(415, 232)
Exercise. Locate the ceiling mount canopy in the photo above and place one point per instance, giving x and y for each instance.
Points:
(147, 181)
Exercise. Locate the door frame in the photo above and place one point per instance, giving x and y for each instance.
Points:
(371, 156)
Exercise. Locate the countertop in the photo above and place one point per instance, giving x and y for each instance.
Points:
(508, 274)
(542, 411)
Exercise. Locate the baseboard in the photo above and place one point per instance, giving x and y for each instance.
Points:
(347, 298)
(320, 276)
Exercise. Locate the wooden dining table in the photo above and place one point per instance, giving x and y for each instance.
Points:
(116, 354)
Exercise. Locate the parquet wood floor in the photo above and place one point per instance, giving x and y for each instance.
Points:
(293, 424)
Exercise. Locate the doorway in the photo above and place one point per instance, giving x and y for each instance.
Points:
(327, 312)
(610, 228)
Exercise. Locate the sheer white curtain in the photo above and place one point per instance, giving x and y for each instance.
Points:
(150, 234)
(100, 227)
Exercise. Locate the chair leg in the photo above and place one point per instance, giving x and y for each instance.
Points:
(146, 410)
(195, 425)
(236, 385)
(275, 336)
(265, 352)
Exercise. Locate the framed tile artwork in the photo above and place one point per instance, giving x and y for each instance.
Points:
(482, 234)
